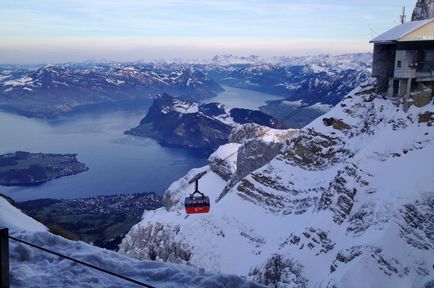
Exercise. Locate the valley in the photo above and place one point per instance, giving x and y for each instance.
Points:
(99, 220)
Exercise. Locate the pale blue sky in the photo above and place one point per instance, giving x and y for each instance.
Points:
(75, 30)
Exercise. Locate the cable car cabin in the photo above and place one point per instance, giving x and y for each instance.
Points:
(197, 204)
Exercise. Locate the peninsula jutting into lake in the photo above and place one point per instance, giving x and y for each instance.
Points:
(25, 168)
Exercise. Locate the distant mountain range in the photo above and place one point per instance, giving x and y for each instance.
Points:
(51, 91)
(320, 79)
(304, 83)
(309, 85)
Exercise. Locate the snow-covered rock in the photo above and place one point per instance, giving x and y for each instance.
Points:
(32, 268)
(253, 154)
(224, 160)
(259, 144)
(424, 10)
(335, 208)
(251, 131)
(14, 219)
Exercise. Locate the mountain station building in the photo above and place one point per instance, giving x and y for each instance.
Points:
(404, 61)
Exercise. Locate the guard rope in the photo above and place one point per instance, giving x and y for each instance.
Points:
(82, 263)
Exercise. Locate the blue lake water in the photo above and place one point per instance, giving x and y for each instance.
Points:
(118, 163)
(243, 98)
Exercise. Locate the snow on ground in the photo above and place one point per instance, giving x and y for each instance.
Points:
(321, 107)
(12, 218)
(226, 117)
(33, 268)
(297, 103)
(338, 207)
(288, 86)
(18, 82)
(186, 107)
(277, 135)
(3, 77)
(318, 69)
(114, 81)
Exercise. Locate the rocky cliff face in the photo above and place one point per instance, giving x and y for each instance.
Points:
(258, 145)
(424, 9)
(202, 127)
(335, 208)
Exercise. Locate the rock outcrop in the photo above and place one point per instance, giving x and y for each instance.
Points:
(336, 123)
(253, 131)
(254, 154)
(258, 146)
(223, 162)
(187, 124)
(422, 97)
(424, 10)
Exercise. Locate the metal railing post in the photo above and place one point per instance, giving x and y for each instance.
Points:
(4, 257)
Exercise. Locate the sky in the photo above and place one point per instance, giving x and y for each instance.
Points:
(56, 31)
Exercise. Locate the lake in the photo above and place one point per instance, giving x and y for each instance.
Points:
(243, 98)
(118, 163)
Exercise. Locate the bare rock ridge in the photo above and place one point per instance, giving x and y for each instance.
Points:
(424, 10)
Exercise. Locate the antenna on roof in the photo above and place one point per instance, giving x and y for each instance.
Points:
(403, 17)
(373, 32)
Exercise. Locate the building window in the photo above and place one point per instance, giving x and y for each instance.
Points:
(428, 63)
(398, 64)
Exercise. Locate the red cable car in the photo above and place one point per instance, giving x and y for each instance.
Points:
(197, 204)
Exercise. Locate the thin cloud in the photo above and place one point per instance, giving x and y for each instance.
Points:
(221, 23)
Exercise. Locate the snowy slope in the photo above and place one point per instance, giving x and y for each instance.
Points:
(14, 219)
(345, 205)
(32, 268)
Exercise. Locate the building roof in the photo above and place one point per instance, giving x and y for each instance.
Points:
(395, 34)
